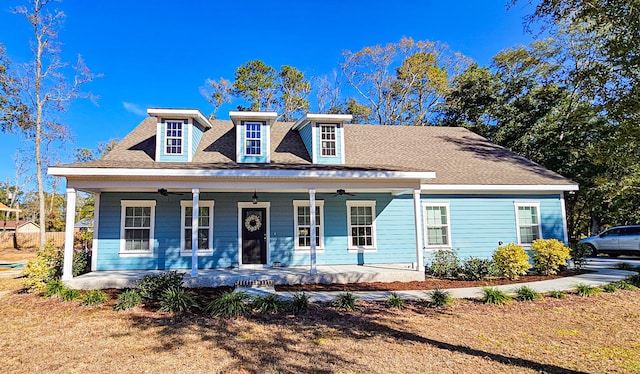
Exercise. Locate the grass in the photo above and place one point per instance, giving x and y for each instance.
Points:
(525, 293)
(587, 290)
(492, 295)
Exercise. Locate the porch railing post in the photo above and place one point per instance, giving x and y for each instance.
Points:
(67, 265)
(312, 229)
(194, 232)
(418, 222)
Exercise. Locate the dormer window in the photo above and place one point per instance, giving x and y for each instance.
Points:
(253, 139)
(328, 140)
(173, 137)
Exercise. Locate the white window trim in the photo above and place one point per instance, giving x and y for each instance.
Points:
(445, 204)
(518, 204)
(124, 204)
(297, 247)
(367, 203)
(335, 141)
(202, 203)
(262, 129)
(182, 137)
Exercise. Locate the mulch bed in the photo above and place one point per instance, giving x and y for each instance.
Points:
(428, 284)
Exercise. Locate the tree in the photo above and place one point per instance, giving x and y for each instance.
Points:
(44, 89)
(294, 91)
(12, 109)
(328, 92)
(217, 93)
(256, 83)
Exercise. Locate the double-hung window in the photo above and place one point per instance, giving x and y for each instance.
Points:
(173, 137)
(328, 140)
(253, 139)
(528, 222)
(136, 229)
(302, 214)
(361, 219)
(436, 225)
(205, 227)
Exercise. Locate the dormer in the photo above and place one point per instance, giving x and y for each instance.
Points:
(323, 135)
(253, 135)
(178, 133)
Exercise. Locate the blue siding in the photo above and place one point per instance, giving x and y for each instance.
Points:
(305, 134)
(241, 133)
(197, 133)
(163, 157)
(480, 222)
(332, 160)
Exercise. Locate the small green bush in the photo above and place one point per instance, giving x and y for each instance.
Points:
(230, 305)
(610, 288)
(299, 303)
(53, 288)
(492, 295)
(46, 266)
(128, 299)
(346, 301)
(525, 293)
(176, 300)
(624, 285)
(441, 298)
(267, 304)
(69, 294)
(394, 301)
(444, 264)
(587, 290)
(81, 262)
(625, 266)
(152, 286)
(634, 280)
(511, 260)
(474, 268)
(557, 294)
(579, 254)
(549, 255)
(94, 298)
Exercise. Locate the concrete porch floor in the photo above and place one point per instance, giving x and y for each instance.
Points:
(292, 275)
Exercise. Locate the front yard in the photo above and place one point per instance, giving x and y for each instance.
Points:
(575, 334)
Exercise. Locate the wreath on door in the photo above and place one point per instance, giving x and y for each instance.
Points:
(252, 223)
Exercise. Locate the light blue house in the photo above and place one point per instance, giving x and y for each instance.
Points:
(183, 192)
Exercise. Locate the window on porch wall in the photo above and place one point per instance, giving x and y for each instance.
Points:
(205, 226)
(137, 220)
(437, 225)
(303, 224)
(361, 224)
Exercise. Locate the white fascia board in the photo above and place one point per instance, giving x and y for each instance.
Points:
(270, 117)
(484, 188)
(321, 117)
(180, 113)
(239, 173)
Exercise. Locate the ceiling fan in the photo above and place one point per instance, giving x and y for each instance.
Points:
(340, 192)
(164, 192)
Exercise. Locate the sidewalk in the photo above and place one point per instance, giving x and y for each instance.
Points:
(602, 275)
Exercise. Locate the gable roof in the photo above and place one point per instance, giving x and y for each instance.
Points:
(457, 155)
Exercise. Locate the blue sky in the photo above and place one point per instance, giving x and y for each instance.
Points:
(159, 53)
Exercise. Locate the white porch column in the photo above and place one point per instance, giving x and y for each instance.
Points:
(96, 225)
(417, 211)
(312, 229)
(67, 265)
(194, 232)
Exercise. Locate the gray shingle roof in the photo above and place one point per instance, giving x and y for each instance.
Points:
(457, 156)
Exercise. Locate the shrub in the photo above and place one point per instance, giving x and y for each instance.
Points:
(579, 254)
(511, 260)
(69, 294)
(624, 285)
(176, 299)
(625, 266)
(525, 293)
(152, 286)
(444, 264)
(441, 298)
(475, 268)
(230, 305)
(548, 255)
(299, 302)
(587, 290)
(492, 295)
(556, 294)
(394, 301)
(94, 298)
(46, 266)
(128, 299)
(81, 262)
(610, 288)
(267, 304)
(346, 301)
(53, 288)
(634, 280)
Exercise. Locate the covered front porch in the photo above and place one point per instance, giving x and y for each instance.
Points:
(292, 275)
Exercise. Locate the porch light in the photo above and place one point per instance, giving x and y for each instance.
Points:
(254, 198)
